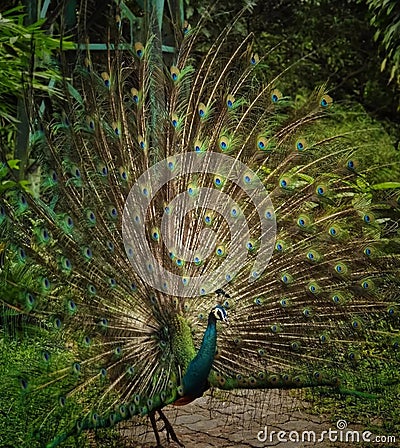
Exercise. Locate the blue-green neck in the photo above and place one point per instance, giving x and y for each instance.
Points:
(195, 378)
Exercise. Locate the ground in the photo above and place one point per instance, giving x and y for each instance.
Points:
(235, 420)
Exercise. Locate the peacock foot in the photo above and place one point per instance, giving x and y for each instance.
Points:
(171, 435)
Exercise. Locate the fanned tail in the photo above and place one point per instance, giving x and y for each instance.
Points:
(161, 191)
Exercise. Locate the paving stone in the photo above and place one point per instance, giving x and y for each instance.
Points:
(216, 422)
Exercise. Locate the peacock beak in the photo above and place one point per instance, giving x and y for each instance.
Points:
(226, 320)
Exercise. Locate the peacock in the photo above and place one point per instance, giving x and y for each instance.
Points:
(189, 226)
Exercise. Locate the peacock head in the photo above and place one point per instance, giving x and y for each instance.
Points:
(220, 313)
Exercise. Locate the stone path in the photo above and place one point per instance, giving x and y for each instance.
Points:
(234, 420)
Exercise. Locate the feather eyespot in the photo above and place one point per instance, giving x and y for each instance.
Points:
(219, 181)
(261, 143)
(234, 212)
(285, 182)
(197, 260)
(368, 251)
(314, 288)
(303, 221)
(250, 245)
(116, 129)
(220, 251)
(368, 218)
(314, 256)
(87, 253)
(90, 217)
(106, 79)
(276, 95)
(224, 144)
(123, 174)
(186, 27)
(286, 278)
(230, 100)
(325, 101)
(139, 50)
(30, 300)
(254, 59)
(135, 95)
(301, 144)
(175, 73)
(198, 146)
(174, 120)
(265, 144)
(155, 234)
(247, 179)
(202, 110)
(141, 142)
(269, 214)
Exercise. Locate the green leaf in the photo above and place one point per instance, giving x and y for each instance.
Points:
(14, 164)
(7, 185)
(25, 185)
(305, 177)
(386, 186)
(77, 96)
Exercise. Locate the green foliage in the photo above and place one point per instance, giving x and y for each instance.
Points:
(21, 419)
(366, 134)
(386, 19)
(6, 182)
(29, 417)
(30, 413)
(377, 413)
(322, 41)
(26, 67)
(336, 42)
(18, 45)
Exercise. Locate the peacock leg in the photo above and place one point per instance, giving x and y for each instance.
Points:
(155, 430)
(169, 429)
